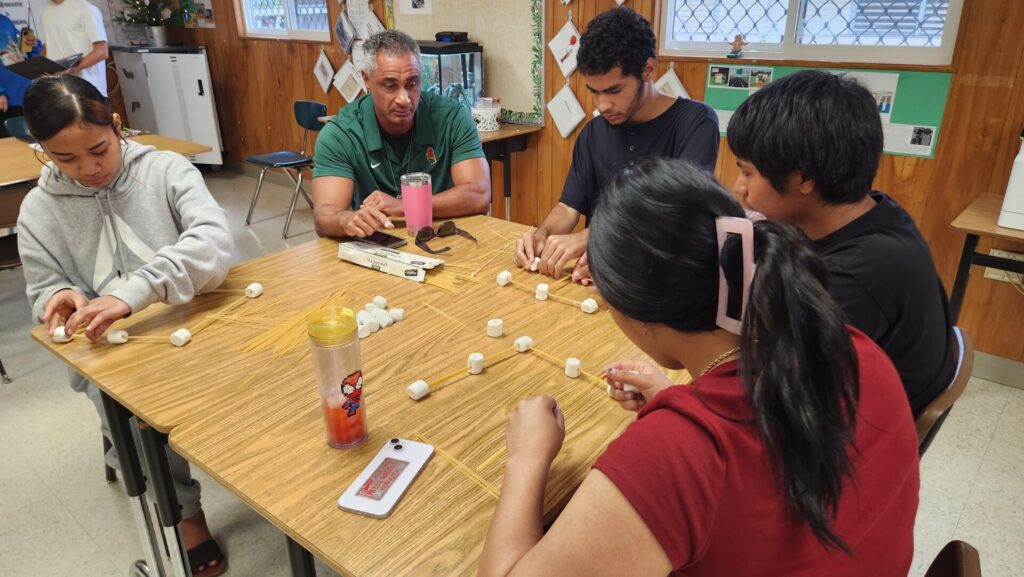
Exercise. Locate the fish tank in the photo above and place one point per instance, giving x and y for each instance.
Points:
(454, 70)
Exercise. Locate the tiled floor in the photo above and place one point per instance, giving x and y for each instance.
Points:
(59, 518)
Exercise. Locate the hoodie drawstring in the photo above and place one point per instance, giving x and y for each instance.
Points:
(116, 241)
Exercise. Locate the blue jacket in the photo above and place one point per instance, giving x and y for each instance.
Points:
(12, 85)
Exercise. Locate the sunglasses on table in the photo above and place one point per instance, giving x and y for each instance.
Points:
(446, 228)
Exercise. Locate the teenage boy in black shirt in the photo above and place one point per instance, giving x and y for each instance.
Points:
(808, 146)
(616, 58)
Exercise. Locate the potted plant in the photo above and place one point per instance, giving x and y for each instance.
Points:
(152, 14)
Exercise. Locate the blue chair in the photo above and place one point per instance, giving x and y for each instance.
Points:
(935, 412)
(16, 127)
(306, 114)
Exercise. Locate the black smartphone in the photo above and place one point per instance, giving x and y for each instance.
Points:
(385, 240)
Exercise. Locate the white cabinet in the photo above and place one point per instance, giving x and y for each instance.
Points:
(169, 93)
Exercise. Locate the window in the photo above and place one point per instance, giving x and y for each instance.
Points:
(882, 31)
(292, 19)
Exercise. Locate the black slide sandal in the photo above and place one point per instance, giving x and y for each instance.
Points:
(202, 554)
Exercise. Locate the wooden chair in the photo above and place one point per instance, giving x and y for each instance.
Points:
(10, 203)
(307, 116)
(957, 559)
(935, 413)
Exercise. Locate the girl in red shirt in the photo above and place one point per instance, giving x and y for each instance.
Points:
(793, 452)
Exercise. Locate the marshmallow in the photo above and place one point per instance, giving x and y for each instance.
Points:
(397, 314)
(476, 363)
(364, 331)
(117, 337)
(572, 367)
(495, 328)
(180, 337)
(589, 306)
(382, 317)
(60, 336)
(373, 325)
(380, 301)
(541, 293)
(370, 307)
(523, 344)
(630, 389)
(535, 264)
(418, 390)
(334, 400)
(254, 290)
(363, 317)
(504, 277)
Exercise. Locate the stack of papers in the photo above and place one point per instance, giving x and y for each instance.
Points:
(394, 262)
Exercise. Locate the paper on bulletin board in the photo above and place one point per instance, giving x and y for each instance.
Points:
(909, 139)
(670, 84)
(564, 47)
(745, 78)
(566, 111)
(323, 71)
(204, 14)
(883, 88)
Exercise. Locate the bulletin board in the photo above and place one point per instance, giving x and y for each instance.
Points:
(512, 36)
(910, 103)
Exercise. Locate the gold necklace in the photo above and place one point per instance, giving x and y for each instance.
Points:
(721, 358)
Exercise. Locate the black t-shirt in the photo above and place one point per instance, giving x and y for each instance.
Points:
(883, 277)
(688, 130)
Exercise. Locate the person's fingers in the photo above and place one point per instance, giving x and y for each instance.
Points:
(559, 418)
(529, 245)
(359, 227)
(560, 264)
(547, 265)
(56, 320)
(520, 258)
(98, 324)
(377, 215)
(77, 319)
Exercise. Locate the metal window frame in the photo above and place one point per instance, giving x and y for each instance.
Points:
(789, 49)
(290, 32)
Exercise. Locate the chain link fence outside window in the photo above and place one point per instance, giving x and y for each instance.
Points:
(279, 16)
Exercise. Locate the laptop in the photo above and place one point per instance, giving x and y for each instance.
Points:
(40, 65)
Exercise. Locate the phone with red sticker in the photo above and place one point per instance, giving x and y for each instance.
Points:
(383, 482)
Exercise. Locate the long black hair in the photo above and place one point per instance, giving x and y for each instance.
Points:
(654, 256)
(52, 103)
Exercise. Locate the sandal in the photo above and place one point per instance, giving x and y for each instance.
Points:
(202, 555)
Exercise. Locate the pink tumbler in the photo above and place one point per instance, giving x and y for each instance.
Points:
(417, 195)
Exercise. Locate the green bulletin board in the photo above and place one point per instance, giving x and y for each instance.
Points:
(911, 103)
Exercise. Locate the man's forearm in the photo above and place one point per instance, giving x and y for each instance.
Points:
(330, 221)
(97, 54)
(461, 200)
(561, 220)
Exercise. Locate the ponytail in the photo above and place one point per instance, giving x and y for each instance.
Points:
(800, 372)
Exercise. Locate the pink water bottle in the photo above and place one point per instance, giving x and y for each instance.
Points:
(417, 201)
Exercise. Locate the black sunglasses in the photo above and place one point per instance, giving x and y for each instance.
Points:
(446, 228)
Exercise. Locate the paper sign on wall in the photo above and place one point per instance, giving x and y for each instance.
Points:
(566, 111)
(564, 47)
(670, 84)
(348, 82)
(323, 71)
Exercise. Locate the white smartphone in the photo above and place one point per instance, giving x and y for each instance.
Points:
(382, 483)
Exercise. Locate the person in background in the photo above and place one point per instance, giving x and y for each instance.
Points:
(789, 453)
(12, 86)
(71, 27)
(395, 129)
(808, 147)
(113, 227)
(616, 58)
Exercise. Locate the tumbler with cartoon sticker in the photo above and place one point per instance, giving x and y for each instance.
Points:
(334, 340)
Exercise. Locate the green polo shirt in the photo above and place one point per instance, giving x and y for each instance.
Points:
(351, 146)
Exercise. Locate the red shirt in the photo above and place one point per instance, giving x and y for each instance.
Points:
(704, 486)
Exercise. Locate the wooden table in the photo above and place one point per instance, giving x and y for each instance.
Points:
(19, 162)
(498, 145)
(977, 220)
(254, 422)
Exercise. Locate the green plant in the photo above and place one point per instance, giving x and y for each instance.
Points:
(149, 12)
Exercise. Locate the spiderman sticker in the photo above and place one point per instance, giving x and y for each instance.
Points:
(352, 388)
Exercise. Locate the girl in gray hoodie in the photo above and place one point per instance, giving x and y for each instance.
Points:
(112, 227)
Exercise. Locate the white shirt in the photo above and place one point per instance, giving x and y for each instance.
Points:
(70, 28)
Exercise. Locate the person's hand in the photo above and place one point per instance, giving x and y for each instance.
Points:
(560, 249)
(97, 316)
(385, 203)
(3, 103)
(535, 430)
(60, 306)
(529, 246)
(363, 222)
(581, 272)
(645, 377)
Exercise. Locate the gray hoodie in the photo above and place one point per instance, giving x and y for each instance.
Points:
(154, 234)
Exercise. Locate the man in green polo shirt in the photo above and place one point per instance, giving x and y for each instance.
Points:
(395, 129)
